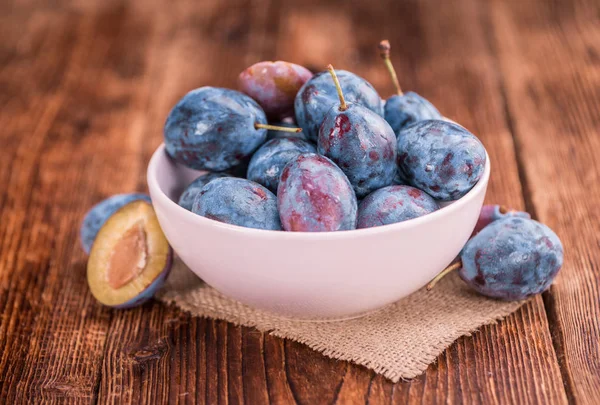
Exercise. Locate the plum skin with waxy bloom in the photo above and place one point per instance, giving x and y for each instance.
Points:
(491, 213)
(238, 202)
(512, 259)
(319, 94)
(268, 161)
(99, 214)
(274, 86)
(403, 110)
(186, 200)
(441, 158)
(314, 195)
(212, 128)
(394, 204)
(362, 144)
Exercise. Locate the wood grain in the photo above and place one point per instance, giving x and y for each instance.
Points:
(553, 94)
(85, 89)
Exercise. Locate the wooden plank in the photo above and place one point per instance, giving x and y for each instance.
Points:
(51, 332)
(552, 83)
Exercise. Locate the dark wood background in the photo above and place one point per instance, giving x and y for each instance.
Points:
(85, 87)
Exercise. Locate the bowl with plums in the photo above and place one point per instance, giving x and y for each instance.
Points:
(311, 197)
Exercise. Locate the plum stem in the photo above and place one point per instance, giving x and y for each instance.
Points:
(503, 209)
(277, 128)
(384, 52)
(343, 105)
(444, 272)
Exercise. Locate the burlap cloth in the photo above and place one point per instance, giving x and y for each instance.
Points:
(398, 341)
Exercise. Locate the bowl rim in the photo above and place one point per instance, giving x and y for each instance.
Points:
(157, 192)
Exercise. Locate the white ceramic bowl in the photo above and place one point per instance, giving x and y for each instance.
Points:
(311, 275)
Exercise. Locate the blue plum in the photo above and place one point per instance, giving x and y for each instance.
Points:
(238, 202)
(394, 204)
(269, 160)
(186, 200)
(212, 128)
(314, 195)
(512, 259)
(274, 86)
(318, 95)
(402, 110)
(362, 144)
(99, 213)
(491, 213)
(441, 158)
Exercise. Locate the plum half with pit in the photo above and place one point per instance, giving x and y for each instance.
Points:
(268, 161)
(394, 204)
(319, 94)
(238, 202)
(314, 195)
(441, 158)
(274, 86)
(99, 213)
(360, 142)
(130, 259)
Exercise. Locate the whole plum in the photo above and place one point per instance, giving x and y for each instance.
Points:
(511, 259)
(314, 195)
(441, 158)
(491, 213)
(394, 204)
(212, 128)
(238, 202)
(99, 214)
(274, 86)
(186, 200)
(319, 94)
(269, 160)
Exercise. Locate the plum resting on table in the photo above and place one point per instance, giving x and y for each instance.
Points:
(238, 202)
(362, 144)
(186, 200)
(491, 213)
(274, 86)
(212, 128)
(318, 95)
(394, 204)
(511, 259)
(99, 214)
(441, 158)
(269, 160)
(403, 110)
(314, 195)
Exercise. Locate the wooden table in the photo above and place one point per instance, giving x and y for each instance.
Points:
(85, 87)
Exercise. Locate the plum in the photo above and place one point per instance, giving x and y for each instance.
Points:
(510, 259)
(274, 86)
(441, 158)
(394, 204)
(319, 94)
(238, 202)
(269, 160)
(360, 142)
(214, 129)
(99, 213)
(130, 259)
(491, 213)
(314, 195)
(404, 109)
(186, 200)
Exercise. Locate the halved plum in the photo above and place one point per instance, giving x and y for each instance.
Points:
(130, 258)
